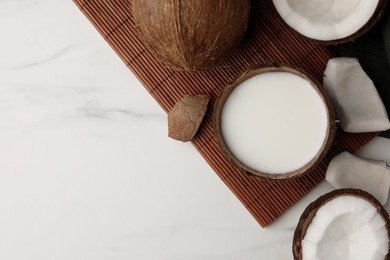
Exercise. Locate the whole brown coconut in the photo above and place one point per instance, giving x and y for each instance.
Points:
(191, 35)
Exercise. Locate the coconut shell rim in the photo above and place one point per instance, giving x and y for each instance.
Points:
(273, 67)
(376, 16)
(311, 210)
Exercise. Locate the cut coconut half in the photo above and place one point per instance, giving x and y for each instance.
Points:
(330, 21)
(346, 224)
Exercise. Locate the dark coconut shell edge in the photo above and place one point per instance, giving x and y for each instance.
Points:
(377, 15)
(273, 67)
(311, 210)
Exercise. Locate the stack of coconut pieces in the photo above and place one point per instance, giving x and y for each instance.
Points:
(350, 222)
(360, 110)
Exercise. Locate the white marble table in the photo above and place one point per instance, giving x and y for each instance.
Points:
(86, 169)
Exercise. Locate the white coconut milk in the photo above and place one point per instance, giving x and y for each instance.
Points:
(274, 122)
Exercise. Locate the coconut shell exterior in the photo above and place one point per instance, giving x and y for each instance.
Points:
(191, 35)
(311, 210)
(274, 67)
(186, 117)
(377, 15)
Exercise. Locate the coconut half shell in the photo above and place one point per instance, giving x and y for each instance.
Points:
(274, 67)
(330, 22)
(191, 35)
(378, 214)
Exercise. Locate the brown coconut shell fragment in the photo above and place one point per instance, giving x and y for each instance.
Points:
(186, 117)
(311, 210)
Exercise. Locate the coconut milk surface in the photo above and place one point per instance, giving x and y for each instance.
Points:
(274, 122)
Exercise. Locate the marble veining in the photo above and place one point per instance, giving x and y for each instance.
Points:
(86, 168)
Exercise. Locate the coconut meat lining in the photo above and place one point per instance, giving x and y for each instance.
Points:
(326, 20)
(346, 228)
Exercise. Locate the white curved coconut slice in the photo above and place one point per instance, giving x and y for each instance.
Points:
(348, 171)
(346, 228)
(378, 149)
(326, 20)
(355, 97)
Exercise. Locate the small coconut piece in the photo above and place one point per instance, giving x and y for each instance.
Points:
(355, 97)
(378, 149)
(330, 22)
(348, 171)
(345, 224)
(191, 35)
(186, 116)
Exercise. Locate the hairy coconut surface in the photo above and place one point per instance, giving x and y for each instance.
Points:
(251, 137)
(344, 224)
(330, 22)
(191, 35)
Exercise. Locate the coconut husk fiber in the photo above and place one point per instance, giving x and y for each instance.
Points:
(181, 34)
(267, 39)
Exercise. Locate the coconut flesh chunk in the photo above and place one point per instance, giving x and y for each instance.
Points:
(354, 96)
(348, 171)
(326, 20)
(346, 228)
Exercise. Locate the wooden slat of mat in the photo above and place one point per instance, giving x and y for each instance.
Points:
(268, 39)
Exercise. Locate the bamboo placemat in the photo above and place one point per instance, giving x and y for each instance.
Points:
(268, 39)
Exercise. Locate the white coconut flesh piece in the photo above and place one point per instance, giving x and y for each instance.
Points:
(346, 228)
(349, 171)
(355, 97)
(326, 20)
